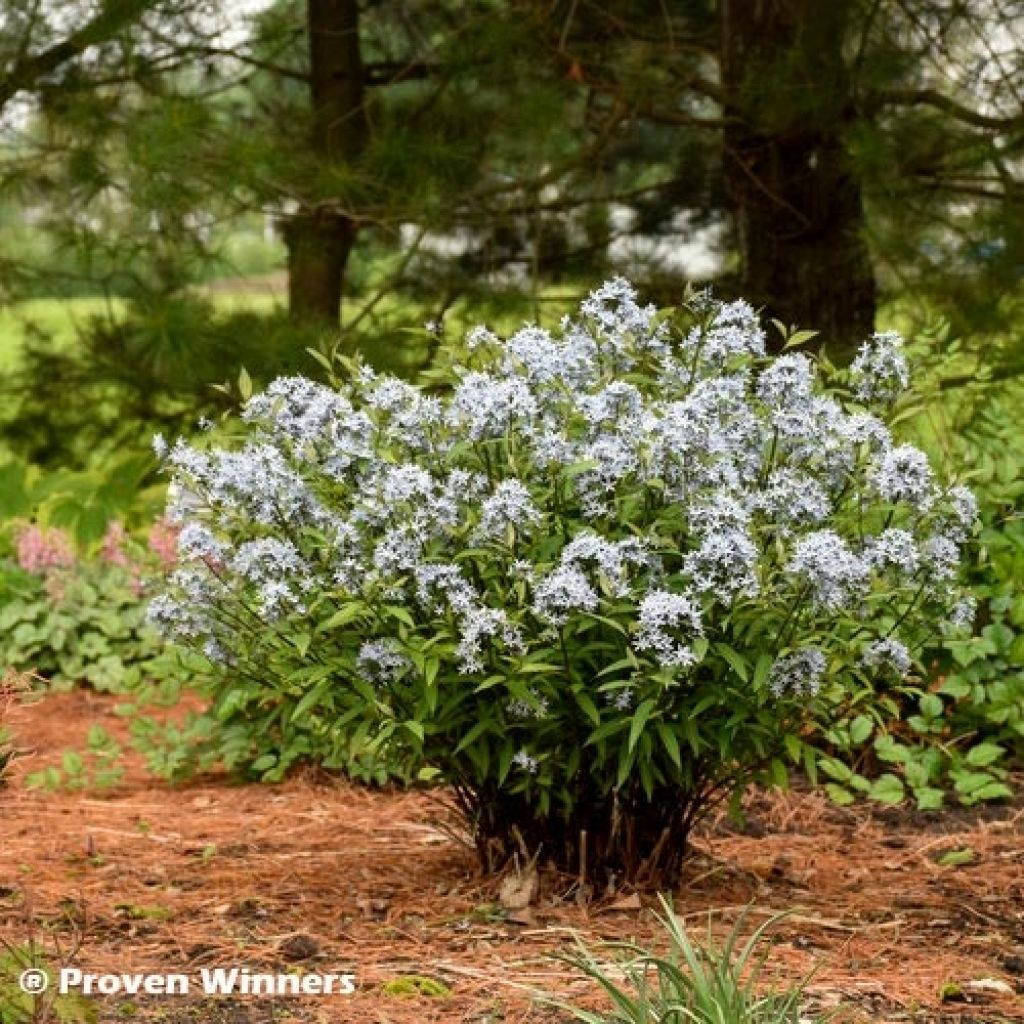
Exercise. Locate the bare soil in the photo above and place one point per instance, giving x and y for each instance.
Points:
(322, 876)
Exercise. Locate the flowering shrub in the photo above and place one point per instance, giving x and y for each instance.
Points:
(597, 584)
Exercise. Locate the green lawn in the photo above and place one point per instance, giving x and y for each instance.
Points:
(57, 318)
(60, 318)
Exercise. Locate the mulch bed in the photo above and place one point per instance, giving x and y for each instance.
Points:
(330, 877)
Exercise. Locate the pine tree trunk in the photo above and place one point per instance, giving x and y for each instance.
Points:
(319, 243)
(797, 206)
(320, 237)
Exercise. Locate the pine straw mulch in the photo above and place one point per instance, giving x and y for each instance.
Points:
(335, 878)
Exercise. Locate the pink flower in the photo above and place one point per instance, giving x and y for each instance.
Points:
(113, 552)
(163, 542)
(39, 549)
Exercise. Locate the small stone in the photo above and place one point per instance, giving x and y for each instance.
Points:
(519, 889)
(1014, 964)
(993, 986)
(298, 947)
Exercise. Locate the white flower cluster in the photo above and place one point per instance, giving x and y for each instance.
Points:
(668, 625)
(381, 661)
(510, 506)
(888, 654)
(566, 477)
(798, 674)
(880, 371)
(832, 573)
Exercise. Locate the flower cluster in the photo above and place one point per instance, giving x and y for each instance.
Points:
(163, 543)
(880, 370)
(38, 549)
(800, 673)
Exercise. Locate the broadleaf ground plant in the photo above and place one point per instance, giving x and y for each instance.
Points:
(597, 583)
(72, 620)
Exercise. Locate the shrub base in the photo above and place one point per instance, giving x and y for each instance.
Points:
(609, 841)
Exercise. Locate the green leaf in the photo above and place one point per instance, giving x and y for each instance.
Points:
(610, 623)
(606, 730)
(887, 789)
(928, 798)
(586, 703)
(311, 699)
(15, 501)
(579, 468)
(968, 783)
(617, 666)
(670, 742)
(793, 745)
(861, 728)
(993, 791)
(430, 670)
(888, 749)
(999, 635)
(400, 613)
(643, 712)
(955, 686)
(473, 735)
(931, 705)
(839, 795)
(799, 338)
(835, 769)
(761, 670)
(344, 616)
(778, 774)
(736, 661)
(956, 858)
(984, 754)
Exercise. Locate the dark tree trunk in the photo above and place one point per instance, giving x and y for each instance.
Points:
(796, 204)
(319, 243)
(320, 237)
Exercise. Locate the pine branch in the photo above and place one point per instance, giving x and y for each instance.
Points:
(29, 70)
(394, 71)
(659, 115)
(939, 101)
(253, 62)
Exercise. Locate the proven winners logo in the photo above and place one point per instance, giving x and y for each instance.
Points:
(212, 981)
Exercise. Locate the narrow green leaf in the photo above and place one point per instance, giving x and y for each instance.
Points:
(670, 743)
(643, 712)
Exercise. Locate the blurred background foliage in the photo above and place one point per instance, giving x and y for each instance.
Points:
(190, 186)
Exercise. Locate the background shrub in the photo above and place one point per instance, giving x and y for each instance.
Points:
(956, 731)
(78, 550)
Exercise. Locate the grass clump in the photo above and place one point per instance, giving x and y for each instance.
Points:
(692, 983)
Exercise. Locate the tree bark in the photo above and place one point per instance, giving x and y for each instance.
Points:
(797, 206)
(320, 236)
